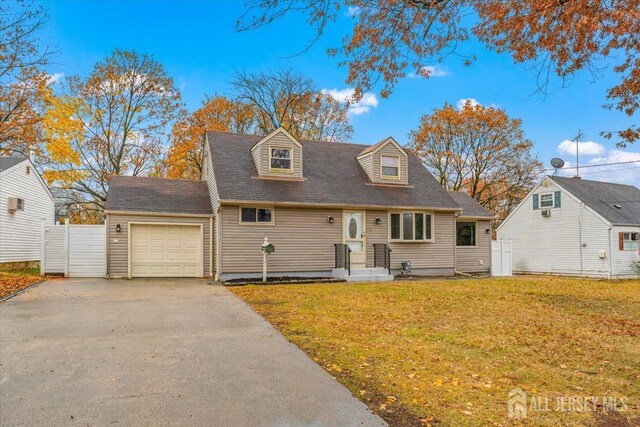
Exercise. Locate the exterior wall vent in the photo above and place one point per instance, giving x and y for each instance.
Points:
(546, 213)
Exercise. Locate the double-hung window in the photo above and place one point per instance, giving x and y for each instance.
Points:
(630, 241)
(546, 200)
(410, 226)
(256, 216)
(280, 159)
(390, 166)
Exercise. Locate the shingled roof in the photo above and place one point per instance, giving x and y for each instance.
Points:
(332, 176)
(617, 203)
(158, 195)
(9, 162)
(470, 208)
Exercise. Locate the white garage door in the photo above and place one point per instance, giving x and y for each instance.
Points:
(166, 250)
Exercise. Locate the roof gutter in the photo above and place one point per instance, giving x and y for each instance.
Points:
(333, 205)
(151, 213)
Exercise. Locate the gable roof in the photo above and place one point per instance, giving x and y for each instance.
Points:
(603, 196)
(158, 195)
(375, 147)
(332, 176)
(9, 162)
(470, 208)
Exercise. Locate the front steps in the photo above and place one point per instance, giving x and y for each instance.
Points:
(363, 274)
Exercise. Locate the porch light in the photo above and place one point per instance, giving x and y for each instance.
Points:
(331, 220)
(118, 228)
(378, 221)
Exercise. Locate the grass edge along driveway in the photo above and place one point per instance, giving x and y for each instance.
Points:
(448, 352)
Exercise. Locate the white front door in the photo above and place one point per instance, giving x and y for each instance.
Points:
(354, 236)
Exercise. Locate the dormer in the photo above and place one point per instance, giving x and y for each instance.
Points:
(278, 155)
(385, 162)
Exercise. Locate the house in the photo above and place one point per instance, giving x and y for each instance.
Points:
(25, 204)
(330, 209)
(575, 227)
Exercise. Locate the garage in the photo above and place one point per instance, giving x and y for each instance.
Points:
(166, 250)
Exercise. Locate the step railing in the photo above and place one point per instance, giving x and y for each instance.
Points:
(382, 256)
(343, 257)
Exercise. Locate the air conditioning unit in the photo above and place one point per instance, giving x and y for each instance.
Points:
(545, 213)
(13, 204)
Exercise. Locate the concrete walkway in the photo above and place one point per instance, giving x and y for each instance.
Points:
(157, 352)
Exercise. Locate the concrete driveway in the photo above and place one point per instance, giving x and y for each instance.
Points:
(157, 352)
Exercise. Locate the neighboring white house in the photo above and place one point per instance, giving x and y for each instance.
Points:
(577, 227)
(25, 203)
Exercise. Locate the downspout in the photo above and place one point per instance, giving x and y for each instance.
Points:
(106, 248)
(610, 256)
(211, 246)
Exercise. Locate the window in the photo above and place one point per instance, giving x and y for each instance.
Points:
(546, 200)
(256, 215)
(390, 167)
(280, 159)
(466, 234)
(20, 204)
(410, 226)
(630, 241)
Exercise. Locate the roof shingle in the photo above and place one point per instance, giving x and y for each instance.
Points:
(332, 176)
(603, 197)
(469, 206)
(9, 162)
(144, 194)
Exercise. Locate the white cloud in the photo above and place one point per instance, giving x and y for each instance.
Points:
(352, 11)
(625, 173)
(588, 148)
(368, 100)
(429, 71)
(54, 78)
(462, 102)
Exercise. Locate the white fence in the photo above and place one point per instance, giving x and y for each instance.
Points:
(74, 250)
(501, 259)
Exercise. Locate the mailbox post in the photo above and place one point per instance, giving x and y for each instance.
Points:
(267, 249)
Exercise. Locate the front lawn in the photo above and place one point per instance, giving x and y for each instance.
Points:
(448, 352)
(13, 281)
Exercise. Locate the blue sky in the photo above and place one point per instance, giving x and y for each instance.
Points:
(198, 46)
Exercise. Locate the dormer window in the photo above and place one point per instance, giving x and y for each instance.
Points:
(280, 159)
(390, 167)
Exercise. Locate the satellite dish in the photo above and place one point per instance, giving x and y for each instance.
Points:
(557, 163)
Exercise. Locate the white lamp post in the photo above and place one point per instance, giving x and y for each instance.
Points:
(267, 249)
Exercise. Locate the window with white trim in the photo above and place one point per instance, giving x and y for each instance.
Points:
(390, 166)
(466, 233)
(546, 200)
(410, 226)
(256, 215)
(630, 241)
(280, 159)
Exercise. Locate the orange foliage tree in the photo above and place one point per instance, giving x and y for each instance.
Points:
(561, 37)
(113, 122)
(22, 81)
(478, 150)
(184, 159)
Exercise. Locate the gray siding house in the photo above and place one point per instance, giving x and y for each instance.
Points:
(311, 199)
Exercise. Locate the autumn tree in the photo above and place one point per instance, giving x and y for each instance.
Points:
(184, 159)
(113, 122)
(285, 98)
(555, 37)
(22, 79)
(478, 150)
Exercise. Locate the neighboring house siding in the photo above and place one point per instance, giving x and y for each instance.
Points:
(20, 232)
(621, 261)
(468, 258)
(389, 150)
(117, 259)
(280, 140)
(568, 242)
(303, 239)
(437, 255)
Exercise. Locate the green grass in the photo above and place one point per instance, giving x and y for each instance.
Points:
(448, 352)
